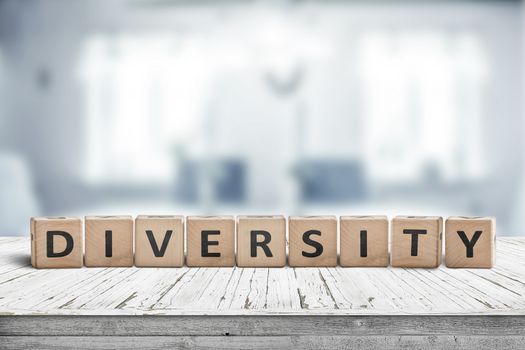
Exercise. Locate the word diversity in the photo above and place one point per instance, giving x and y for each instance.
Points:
(260, 241)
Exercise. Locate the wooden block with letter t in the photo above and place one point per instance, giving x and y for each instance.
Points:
(159, 241)
(416, 241)
(210, 241)
(364, 241)
(470, 242)
(313, 241)
(109, 241)
(261, 241)
(56, 242)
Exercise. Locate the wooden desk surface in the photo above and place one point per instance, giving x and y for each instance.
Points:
(373, 303)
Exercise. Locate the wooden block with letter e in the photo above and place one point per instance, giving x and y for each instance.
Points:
(470, 241)
(364, 241)
(109, 241)
(56, 242)
(210, 241)
(313, 241)
(261, 241)
(416, 241)
(159, 241)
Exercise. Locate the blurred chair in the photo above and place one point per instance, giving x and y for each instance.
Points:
(332, 181)
(17, 198)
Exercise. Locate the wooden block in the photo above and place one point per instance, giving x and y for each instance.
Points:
(417, 241)
(470, 242)
(210, 241)
(56, 242)
(261, 241)
(109, 241)
(364, 241)
(313, 241)
(159, 241)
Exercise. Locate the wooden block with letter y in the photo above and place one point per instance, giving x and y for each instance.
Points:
(159, 241)
(416, 241)
(261, 241)
(313, 241)
(364, 241)
(470, 242)
(210, 241)
(56, 242)
(109, 241)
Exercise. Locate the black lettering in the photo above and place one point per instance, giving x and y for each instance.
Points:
(469, 244)
(159, 253)
(50, 244)
(318, 246)
(415, 234)
(264, 244)
(205, 243)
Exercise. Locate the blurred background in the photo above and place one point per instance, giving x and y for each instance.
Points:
(261, 107)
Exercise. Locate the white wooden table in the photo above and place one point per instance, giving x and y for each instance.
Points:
(260, 307)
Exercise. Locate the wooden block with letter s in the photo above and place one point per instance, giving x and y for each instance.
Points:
(159, 241)
(470, 242)
(417, 241)
(56, 242)
(210, 241)
(109, 241)
(313, 241)
(261, 241)
(364, 240)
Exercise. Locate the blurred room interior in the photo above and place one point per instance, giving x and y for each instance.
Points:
(238, 106)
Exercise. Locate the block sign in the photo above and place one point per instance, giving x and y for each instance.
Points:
(261, 241)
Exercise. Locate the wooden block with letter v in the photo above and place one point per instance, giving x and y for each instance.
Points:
(210, 241)
(109, 241)
(416, 241)
(261, 241)
(313, 241)
(364, 241)
(56, 242)
(159, 241)
(470, 242)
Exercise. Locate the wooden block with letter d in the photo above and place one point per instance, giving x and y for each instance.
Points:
(159, 241)
(417, 241)
(313, 241)
(109, 241)
(470, 242)
(56, 242)
(364, 241)
(261, 241)
(210, 241)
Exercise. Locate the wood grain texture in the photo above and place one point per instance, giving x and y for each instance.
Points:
(167, 248)
(274, 227)
(120, 231)
(220, 249)
(60, 229)
(322, 230)
(374, 243)
(423, 249)
(480, 232)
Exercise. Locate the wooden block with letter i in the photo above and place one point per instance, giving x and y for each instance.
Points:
(261, 241)
(364, 241)
(313, 241)
(416, 241)
(210, 241)
(159, 241)
(470, 242)
(109, 241)
(56, 242)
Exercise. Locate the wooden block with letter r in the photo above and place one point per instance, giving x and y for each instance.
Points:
(159, 241)
(364, 241)
(109, 241)
(470, 242)
(56, 242)
(313, 241)
(417, 241)
(261, 241)
(210, 241)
